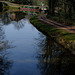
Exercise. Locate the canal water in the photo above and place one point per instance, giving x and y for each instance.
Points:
(26, 51)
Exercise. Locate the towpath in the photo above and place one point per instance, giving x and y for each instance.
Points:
(47, 21)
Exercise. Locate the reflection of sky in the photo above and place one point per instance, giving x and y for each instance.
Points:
(18, 25)
(23, 53)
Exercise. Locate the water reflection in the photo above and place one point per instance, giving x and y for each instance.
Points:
(5, 63)
(18, 25)
(14, 18)
(4, 44)
(52, 60)
(5, 18)
(1, 7)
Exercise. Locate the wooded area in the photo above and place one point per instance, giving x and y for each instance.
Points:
(30, 2)
(64, 10)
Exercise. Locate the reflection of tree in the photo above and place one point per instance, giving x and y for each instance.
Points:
(13, 17)
(5, 18)
(4, 44)
(5, 63)
(1, 6)
(18, 16)
(53, 60)
(18, 25)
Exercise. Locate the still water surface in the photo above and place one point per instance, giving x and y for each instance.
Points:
(26, 51)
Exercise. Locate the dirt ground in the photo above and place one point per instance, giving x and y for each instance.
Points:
(44, 19)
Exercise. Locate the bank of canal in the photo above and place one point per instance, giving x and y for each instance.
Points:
(62, 37)
(26, 51)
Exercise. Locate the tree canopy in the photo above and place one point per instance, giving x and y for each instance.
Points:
(62, 8)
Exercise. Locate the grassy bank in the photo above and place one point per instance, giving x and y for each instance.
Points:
(66, 39)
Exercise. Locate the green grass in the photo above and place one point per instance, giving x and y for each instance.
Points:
(70, 37)
(51, 31)
(64, 38)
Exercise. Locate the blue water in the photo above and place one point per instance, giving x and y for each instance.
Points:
(26, 51)
(23, 54)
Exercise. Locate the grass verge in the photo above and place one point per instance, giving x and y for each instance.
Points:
(64, 38)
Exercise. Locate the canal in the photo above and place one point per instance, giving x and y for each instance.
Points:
(26, 51)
